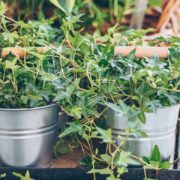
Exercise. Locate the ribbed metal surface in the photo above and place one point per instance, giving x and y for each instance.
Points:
(160, 128)
(27, 136)
(178, 138)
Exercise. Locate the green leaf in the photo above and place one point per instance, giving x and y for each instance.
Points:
(76, 112)
(74, 127)
(165, 165)
(65, 5)
(139, 133)
(122, 170)
(155, 155)
(106, 135)
(11, 65)
(21, 177)
(131, 55)
(114, 107)
(101, 171)
(11, 37)
(2, 8)
(106, 158)
(142, 117)
(146, 160)
(123, 159)
(86, 161)
(25, 99)
(73, 86)
(60, 96)
(61, 147)
(48, 76)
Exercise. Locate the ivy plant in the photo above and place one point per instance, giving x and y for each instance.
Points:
(132, 86)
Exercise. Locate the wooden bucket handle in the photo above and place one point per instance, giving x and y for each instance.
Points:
(20, 52)
(141, 51)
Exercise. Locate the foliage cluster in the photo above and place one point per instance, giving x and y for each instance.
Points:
(98, 14)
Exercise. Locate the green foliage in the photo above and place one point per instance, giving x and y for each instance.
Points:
(27, 83)
(123, 159)
(106, 135)
(86, 161)
(155, 161)
(101, 171)
(2, 8)
(74, 127)
(31, 81)
(128, 85)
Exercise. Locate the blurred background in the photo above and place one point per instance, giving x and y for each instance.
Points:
(99, 15)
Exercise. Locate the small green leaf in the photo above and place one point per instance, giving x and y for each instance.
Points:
(114, 107)
(11, 37)
(2, 8)
(61, 147)
(106, 135)
(48, 76)
(123, 158)
(73, 86)
(122, 170)
(65, 5)
(165, 165)
(11, 65)
(106, 158)
(146, 160)
(76, 111)
(21, 177)
(131, 55)
(74, 127)
(155, 155)
(139, 132)
(101, 171)
(86, 161)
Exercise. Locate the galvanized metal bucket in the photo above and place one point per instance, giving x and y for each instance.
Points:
(27, 136)
(160, 128)
(178, 153)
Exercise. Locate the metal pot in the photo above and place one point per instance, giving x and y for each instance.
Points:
(178, 143)
(27, 136)
(159, 127)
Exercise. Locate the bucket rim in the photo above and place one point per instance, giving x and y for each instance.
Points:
(162, 108)
(29, 109)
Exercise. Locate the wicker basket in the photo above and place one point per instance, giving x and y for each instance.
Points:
(170, 18)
